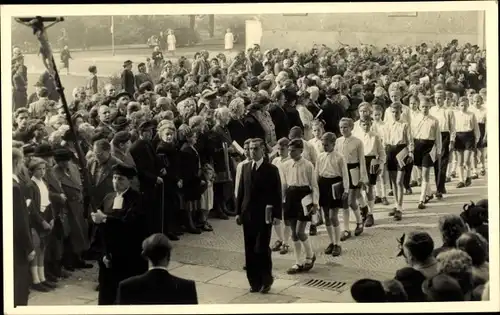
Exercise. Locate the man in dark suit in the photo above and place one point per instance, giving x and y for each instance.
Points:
(24, 251)
(122, 226)
(149, 168)
(258, 205)
(128, 78)
(157, 286)
(280, 117)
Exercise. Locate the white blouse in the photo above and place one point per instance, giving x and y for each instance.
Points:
(481, 113)
(445, 119)
(405, 115)
(309, 152)
(331, 165)
(352, 151)
(44, 193)
(398, 132)
(465, 122)
(301, 173)
(378, 127)
(427, 128)
(317, 145)
(372, 145)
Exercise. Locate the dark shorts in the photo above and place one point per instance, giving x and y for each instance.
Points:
(372, 178)
(465, 141)
(392, 151)
(482, 131)
(351, 166)
(326, 199)
(293, 203)
(422, 157)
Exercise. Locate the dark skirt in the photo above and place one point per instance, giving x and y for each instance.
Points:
(422, 157)
(326, 198)
(372, 178)
(190, 205)
(293, 203)
(351, 166)
(464, 141)
(482, 130)
(392, 162)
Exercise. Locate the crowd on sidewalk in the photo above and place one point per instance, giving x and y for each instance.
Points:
(168, 150)
(456, 271)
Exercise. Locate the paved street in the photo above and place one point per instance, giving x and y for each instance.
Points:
(214, 260)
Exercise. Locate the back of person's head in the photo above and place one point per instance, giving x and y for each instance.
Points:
(442, 288)
(368, 291)
(457, 264)
(451, 227)
(420, 246)
(475, 245)
(412, 280)
(394, 291)
(157, 249)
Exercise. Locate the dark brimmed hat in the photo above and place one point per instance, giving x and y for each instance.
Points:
(127, 62)
(62, 154)
(147, 125)
(120, 122)
(124, 170)
(123, 93)
(43, 150)
(121, 137)
(208, 93)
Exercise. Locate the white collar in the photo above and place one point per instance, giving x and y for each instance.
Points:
(123, 193)
(15, 177)
(158, 267)
(258, 163)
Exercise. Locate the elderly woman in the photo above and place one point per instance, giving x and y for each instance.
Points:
(236, 126)
(186, 109)
(261, 114)
(458, 265)
(451, 227)
(221, 147)
(172, 182)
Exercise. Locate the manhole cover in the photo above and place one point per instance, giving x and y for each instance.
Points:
(327, 285)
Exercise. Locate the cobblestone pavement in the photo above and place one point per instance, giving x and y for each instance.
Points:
(215, 259)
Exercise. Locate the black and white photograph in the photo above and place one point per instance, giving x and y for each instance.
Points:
(224, 155)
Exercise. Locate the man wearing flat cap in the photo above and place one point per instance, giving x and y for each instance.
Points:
(142, 76)
(150, 170)
(157, 286)
(128, 79)
(121, 222)
(71, 182)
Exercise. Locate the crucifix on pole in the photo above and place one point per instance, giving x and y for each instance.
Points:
(40, 31)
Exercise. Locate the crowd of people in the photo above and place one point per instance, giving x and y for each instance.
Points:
(180, 143)
(456, 271)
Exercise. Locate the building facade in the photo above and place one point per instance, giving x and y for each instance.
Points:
(300, 32)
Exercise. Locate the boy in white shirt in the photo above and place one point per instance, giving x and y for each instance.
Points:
(300, 184)
(351, 149)
(282, 231)
(378, 127)
(333, 177)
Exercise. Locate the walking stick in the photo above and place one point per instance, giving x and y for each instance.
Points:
(162, 207)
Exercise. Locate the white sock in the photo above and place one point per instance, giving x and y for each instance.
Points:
(347, 214)
(34, 274)
(362, 199)
(378, 187)
(460, 173)
(329, 229)
(429, 190)
(336, 240)
(286, 234)
(279, 231)
(424, 186)
(41, 274)
(308, 248)
(371, 204)
(467, 172)
(297, 245)
(357, 214)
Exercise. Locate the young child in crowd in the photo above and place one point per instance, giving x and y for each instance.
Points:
(207, 196)
(378, 127)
